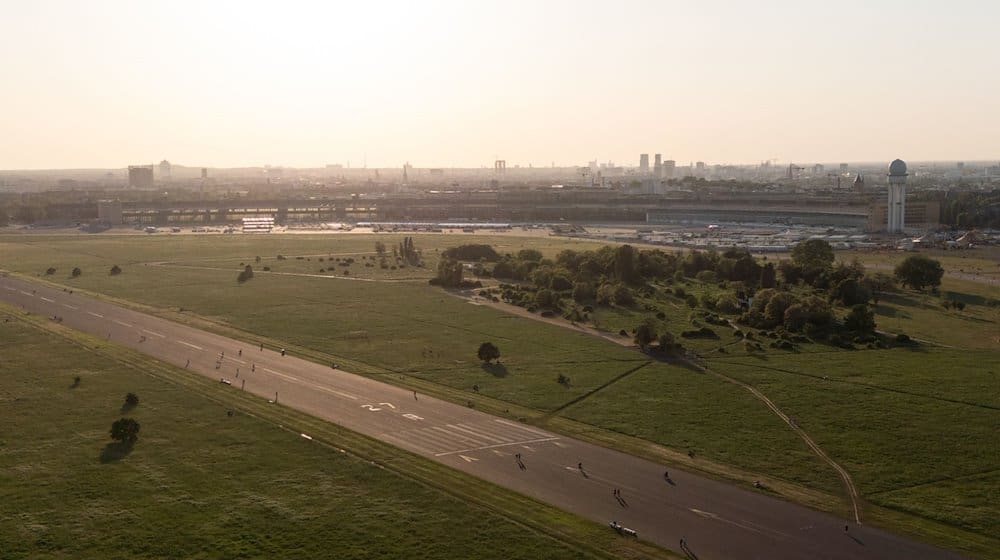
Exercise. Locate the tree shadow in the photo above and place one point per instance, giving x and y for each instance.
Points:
(75, 384)
(883, 311)
(968, 299)
(127, 407)
(115, 451)
(496, 370)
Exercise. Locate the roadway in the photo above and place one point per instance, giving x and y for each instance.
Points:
(718, 520)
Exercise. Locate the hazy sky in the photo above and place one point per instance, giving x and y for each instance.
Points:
(107, 84)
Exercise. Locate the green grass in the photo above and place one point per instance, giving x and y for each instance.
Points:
(909, 425)
(688, 410)
(201, 484)
(896, 417)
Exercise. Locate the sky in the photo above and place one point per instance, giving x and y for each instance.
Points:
(102, 84)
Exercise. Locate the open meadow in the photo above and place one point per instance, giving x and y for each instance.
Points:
(913, 425)
(201, 482)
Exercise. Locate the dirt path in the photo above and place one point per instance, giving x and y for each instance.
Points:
(849, 486)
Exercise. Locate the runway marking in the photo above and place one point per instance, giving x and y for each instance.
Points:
(484, 431)
(122, 323)
(468, 459)
(9, 289)
(154, 333)
(494, 446)
(48, 300)
(237, 361)
(305, 436)
(27, 294)
(454, 436)
(484, 436)
(95, 314)
(412, 417)
(390, 405)
(73, 307)
(710, 515)
(189, 344)
(307, 384)
(523, 427)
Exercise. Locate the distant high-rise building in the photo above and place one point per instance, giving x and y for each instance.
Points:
(164, 169)
(140, 176)
(859, 184)
(668, 168)
(658, 165)
(818, 168)
(897, 196)
(204, 173)
(843, 168)
(643, 163)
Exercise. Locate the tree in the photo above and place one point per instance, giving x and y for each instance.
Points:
(76, 272)
(583, 291)
(380, 248)
(50, 271)
(860, 319)
(768, 276)
(625, 265)
(605, 294)
(488, 352)
(132, 399)
(623, 296)
(245, 275)
(546, 299)
(125, 430)
(813, 255)
(115, 270)
(645, 333)
(449, 273)
(919, 272)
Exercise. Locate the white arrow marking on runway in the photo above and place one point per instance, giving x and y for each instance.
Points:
(191, 345)
(48, 300)
(73, 307)
(154, 333)
(387, 404)
(122, 323)
(371, 407)
(95, 314)
(468, 459)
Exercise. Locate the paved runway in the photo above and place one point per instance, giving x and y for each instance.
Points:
(718, 520)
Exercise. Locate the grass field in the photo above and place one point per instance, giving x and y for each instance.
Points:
(888, 422)
(201, 484)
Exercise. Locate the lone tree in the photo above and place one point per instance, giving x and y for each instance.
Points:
(50, 271)
(115, 270)
(132, 400)
(814, 254)
(245, 275)
(449, 273)
(76, 272)
(645, 333)
(125, 430)
(488, 352)
(919, 272)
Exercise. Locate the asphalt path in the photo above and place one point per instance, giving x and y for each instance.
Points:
(716, 520)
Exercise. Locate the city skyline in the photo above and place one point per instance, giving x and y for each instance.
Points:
(442, 84)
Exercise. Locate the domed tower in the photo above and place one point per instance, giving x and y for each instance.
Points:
(897, 196)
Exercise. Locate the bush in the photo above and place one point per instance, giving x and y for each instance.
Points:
(50, 271)
(281, 257)
(245, 274)
(76, 272)
(125, 430)
(562, 380)
(132, 399)
(902, 338)
(115, 270)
